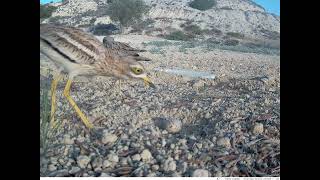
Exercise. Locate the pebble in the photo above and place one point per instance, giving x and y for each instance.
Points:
(198, 84)
(67, 139)
(257, 128)
(183, 167)
(52, 167)
(104, 175)
(207, 115)
(113, 157)
(146, 155)
(106, 164)
(83, 161)
(189, 156)
(59, 173)
(200, 173)
(108, 138)
(97, 162)
(169, 165)
(155, 167)
(224, 142)
(123, 161)
(136, 157)
(172, 146)
(218, 174)
(74, 170)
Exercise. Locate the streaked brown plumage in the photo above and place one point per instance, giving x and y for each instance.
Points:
(81, 54)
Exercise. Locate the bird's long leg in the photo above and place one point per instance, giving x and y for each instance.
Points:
(54, 84)
(66, 93)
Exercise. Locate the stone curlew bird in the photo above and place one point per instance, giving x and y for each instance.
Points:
(78, 53)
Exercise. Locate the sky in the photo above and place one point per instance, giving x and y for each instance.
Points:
(272, 6)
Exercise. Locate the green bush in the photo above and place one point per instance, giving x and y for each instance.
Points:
(127, 12)
(104, 29)
(202, 4)
(235, 35)
(231, 42)
(178, 35)
(194, 29)
(46, 11)
(142, 25)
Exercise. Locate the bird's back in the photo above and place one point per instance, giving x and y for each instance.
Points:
(72, 43)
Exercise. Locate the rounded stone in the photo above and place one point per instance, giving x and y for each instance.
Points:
(169, 165)
(224, 142)
(136, 157)
(200, 173)
(257, 128)
(83, 161)
(108, 138)
(146, 155)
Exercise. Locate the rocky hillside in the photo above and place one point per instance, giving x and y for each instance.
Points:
(239, 16)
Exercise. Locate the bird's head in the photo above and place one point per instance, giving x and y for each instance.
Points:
(136, 70)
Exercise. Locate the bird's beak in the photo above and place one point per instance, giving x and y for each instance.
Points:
(147, 81)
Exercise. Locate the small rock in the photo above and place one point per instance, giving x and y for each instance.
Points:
(106, 163)
(224, 142)
(83, 161)
(199, 145)
(59, 173)
(123, 161)
(169, 125)
(189, 156)
(200, 173)
(155, 167)
(108, 138)
(146, 155)
(174, 126)
(152, 174)
(136, 157)
(67, 139)
(198, 84)
(257, 129)
(52, 167)
(207, 115)
(218, 174)
(163, 142)
(172, 146)
(113, 157)
(74, 170)
(104, 175)
(169, 165)
(183, 167)
(97, 162)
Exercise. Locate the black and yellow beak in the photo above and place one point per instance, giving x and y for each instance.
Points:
(147, 81)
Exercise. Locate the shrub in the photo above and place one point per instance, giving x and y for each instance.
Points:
(178, 35)
(127, 12)
(104, 29)
(274, 35)
(46, 11)
(141, 25)
(235, 34)
(231, 42)
(194, 29)
(202, 5)
(212, 31)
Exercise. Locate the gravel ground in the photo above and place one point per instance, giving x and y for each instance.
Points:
(229, 126)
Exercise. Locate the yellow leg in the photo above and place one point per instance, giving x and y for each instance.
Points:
(53, 98)
(66, 93)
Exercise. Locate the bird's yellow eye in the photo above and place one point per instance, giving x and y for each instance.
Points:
(137, 70)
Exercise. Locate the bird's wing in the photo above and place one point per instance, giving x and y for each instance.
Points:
(124, 49)
(77, 45)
